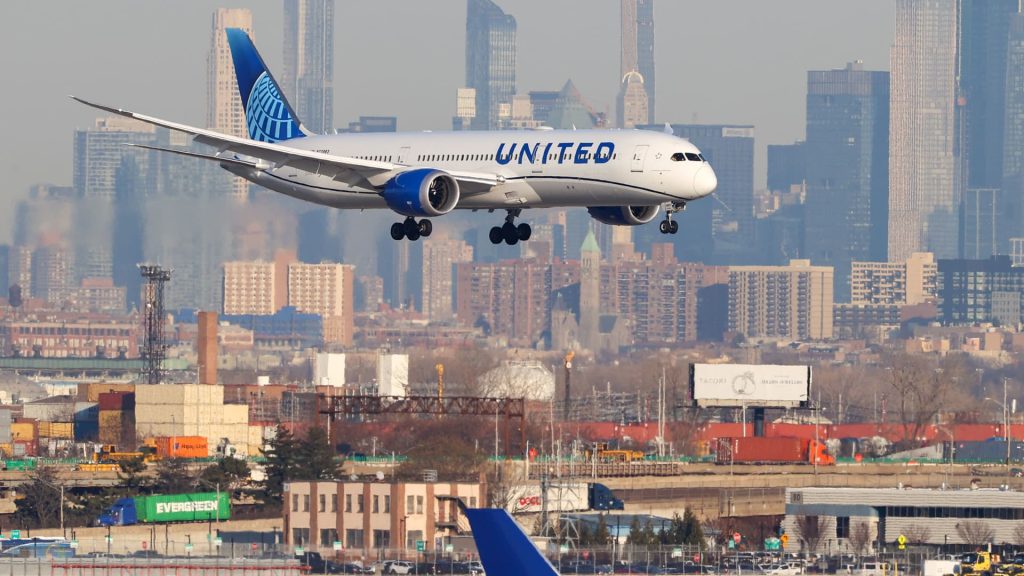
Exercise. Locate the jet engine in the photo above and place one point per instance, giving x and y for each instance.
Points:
(422, 192)
(624, 215)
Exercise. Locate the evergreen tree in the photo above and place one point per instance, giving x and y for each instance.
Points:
(281, 454)
(636, 535)
(601, 535)
(316, 459)
(692, 533)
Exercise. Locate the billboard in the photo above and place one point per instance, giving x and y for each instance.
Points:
(737, 385)
(528, 498)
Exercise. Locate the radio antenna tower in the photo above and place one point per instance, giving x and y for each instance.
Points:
(154, 350)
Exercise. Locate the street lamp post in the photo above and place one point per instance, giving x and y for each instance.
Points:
(1006, 422)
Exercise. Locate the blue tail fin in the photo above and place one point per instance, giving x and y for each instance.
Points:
(268, 116)
(504, 548)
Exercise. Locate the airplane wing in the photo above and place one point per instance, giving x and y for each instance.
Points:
(352, 171)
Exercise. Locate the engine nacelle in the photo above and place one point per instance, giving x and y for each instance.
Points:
(422, 192)
(624, 215)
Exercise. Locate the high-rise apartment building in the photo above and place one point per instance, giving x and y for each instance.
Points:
(970, 290)
(224, 110)
(923, 196)
(846, 169)
(781, 302)
(439, 258)
(308, 71)
(632, 106)
(906, 283)
(250, 288)
(490, 60)
(100, 150)
(326, 289)
(637, 55)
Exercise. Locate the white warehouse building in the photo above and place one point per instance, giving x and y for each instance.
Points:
(934, 517)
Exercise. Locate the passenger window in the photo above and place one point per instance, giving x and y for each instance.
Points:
(679, 157)
(692, 156)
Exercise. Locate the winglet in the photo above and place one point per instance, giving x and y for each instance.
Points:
(668, 129)
(504, 548)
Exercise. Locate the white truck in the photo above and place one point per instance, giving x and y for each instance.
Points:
(941, 568)
(567, 497)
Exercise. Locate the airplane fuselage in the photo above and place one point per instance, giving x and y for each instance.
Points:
(536, 168)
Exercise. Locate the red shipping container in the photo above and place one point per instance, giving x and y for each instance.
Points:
(753, 449)
(117, 401)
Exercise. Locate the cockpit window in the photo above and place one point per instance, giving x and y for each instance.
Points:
(702, 158)
(678, 157)
(693, 157)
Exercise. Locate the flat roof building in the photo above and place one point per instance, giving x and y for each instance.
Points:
(929, 517)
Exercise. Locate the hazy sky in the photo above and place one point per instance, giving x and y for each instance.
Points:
(719, 61)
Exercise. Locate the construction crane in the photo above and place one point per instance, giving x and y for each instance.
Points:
(568, 389)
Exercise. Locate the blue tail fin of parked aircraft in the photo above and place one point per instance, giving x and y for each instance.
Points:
(504, 548)
(268, 116)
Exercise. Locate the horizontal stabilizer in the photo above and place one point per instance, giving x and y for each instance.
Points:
(210, 157)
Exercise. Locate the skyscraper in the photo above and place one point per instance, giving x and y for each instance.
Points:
(224, 110)
(984, 39)
(308, 79)
(721, 229)
(1013, 132)
(637, 47)
(439, 259)
(847, 164)
(490, 60)
(923, 202)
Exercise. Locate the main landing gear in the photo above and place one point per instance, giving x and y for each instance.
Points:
(411, 229)
(668, 225)
(509, 233)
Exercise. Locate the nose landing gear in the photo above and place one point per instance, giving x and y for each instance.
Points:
(668, 225)
(411, 229)
(509, 232)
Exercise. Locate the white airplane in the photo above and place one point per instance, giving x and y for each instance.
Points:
(623, 177)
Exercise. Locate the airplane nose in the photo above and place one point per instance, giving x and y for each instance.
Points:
(705, 181)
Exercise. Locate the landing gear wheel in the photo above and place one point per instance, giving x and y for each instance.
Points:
(524, 231)
(664, 226)
(397, 231)
(510, 233)
(412, 229)
(673, 227)
(426, 228)
(496, 235)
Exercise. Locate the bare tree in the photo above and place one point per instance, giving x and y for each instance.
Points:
(923, 390)
(975, 532)
(811, 530)
(1018, 535)
(860, 538)
(918, 534)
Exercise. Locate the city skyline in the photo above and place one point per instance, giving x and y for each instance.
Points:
(711, 87)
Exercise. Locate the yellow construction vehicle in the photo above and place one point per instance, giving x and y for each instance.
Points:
(108, 454)
(602, 453)
(978, 563)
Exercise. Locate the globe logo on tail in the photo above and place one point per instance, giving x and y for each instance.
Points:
(267, 117)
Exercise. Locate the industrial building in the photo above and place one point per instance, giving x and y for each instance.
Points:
(928, 517)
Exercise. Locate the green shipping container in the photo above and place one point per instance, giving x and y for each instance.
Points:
(199, 507)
